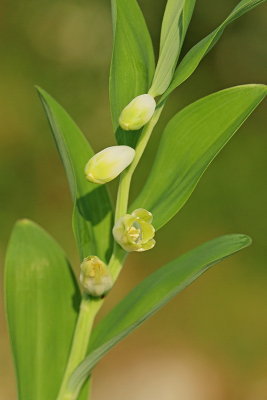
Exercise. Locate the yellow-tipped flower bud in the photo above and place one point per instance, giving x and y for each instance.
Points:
(138, 112)
(95, 277)
(134, 232)
(108, 163)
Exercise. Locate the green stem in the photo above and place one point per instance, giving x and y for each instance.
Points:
(117, 260)
(88, 309)
(90, 306)
(126, 176)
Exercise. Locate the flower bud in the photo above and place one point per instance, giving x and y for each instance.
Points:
(95, 277)
(108, 163)
(134, 232)
(138, 112)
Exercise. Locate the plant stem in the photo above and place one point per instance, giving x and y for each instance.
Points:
(117, 260)
(88, 310)
(89, 307)
(126, 176)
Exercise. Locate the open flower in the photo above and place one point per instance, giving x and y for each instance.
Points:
(108, 163)
(137, 113)
(95, 276)
(134, 232)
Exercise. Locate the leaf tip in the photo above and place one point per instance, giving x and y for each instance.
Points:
(245, 239)
(257, 86)
(25, 223)
(40, 91)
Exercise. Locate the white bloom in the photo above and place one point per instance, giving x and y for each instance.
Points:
(108, 163)
(137, 113)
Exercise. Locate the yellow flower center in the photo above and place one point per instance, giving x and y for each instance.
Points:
(135, 232)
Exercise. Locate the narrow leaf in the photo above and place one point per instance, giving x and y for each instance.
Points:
(189, 143)
(192, 59)
(174, 26)
(42, 298)
(150, 295)
(188, 9)
(132, 65)
(92, 216)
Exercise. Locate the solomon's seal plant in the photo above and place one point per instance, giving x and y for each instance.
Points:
(54, 341)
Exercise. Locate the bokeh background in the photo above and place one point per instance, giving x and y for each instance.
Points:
(210, 343)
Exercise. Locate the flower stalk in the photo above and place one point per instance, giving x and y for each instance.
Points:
(89, 308)
(126, 176)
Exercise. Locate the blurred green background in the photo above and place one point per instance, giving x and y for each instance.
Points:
(210, 343)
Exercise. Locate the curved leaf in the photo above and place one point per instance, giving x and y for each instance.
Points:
(92, 216)
(189, 143)
(175, 22)
(132, 65)
(42, 298)
(192, 59)
(149, 296)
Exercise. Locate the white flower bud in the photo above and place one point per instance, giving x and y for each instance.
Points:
(138, 112)
(95, 277)
(108, 163)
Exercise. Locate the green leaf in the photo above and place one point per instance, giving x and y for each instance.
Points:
(175, 22)
(189, 143)
(92, 216)
(42, 298)
(192, 59)
(132, 65)
(188, 9)
(149, 296)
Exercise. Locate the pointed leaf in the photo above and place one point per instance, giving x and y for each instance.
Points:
(175, 22)
(132, 65)
(42, 298)
(149, 296)
(92, 216)
(192, 59)
(189, 143)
